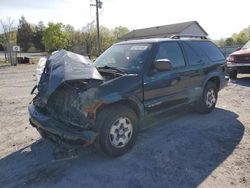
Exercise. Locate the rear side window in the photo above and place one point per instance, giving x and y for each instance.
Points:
(171, 51)
(208, 48)
(192, 56)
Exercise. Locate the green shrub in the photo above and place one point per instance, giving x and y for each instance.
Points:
(32, 49)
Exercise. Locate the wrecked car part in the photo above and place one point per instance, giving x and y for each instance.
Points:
(57, 110)
(57, 131)
(66, 105)
(69, 99)
(64, 66)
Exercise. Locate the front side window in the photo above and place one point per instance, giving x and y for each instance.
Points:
(127, 57)
(172, 52)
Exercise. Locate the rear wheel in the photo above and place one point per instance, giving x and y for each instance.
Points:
(208, 100)
(117, 128)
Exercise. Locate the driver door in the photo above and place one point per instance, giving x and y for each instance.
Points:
(166, 89)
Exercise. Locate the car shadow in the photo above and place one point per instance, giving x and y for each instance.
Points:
(175, 150)
(243, 81)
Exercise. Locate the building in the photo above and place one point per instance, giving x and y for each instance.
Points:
(188, 28)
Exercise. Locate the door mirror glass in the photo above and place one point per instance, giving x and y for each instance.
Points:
(163, 64)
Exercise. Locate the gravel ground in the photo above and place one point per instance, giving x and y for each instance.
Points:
(181, 149)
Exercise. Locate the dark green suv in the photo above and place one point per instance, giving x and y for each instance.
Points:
(79, 102)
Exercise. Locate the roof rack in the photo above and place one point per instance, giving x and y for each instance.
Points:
(188, 36)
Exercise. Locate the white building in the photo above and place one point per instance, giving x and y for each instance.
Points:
(185, 28)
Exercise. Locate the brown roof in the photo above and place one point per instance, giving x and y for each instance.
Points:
(160, 31)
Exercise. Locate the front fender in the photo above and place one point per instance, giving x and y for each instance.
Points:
(113, 98)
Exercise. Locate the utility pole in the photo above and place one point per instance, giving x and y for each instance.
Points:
(98, 5)
(97, 27)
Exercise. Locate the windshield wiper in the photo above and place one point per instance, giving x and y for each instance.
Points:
(112, 68)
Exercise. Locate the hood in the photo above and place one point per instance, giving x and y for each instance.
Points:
(242, 52)
(65, 66)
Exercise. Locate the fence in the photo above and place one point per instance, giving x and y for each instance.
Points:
(228, 50)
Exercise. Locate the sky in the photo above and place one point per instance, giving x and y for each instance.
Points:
(220, 18)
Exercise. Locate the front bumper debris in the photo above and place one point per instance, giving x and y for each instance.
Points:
(57, 131)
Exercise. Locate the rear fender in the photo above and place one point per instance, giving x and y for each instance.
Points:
(219, 75)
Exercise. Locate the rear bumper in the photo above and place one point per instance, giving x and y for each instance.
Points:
(57, 131)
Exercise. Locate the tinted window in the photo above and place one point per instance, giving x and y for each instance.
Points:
(192, 56)
(128, 57)
(171, 51)
(208, 48)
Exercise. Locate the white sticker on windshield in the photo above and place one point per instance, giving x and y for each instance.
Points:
(138, 48)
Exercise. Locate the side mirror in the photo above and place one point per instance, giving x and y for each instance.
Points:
(163, 64)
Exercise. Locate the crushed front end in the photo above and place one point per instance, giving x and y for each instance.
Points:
(57, 110)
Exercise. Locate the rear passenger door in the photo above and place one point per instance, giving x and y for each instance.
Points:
(165, 89)
(203, 58)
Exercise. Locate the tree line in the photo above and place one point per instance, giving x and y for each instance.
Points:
(55, 36)
(236, 39)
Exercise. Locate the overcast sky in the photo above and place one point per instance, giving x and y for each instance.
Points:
(220, 18)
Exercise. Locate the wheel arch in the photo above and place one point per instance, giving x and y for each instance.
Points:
(132, 104)
(215, 78)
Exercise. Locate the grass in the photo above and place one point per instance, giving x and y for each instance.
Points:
(3, 62)
(34, 60)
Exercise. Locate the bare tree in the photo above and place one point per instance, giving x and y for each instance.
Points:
(8, 27)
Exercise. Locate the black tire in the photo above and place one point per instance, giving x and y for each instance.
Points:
(106, 121)
(233, 75)
(201, 105)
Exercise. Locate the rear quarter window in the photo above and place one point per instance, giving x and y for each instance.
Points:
(192, 57)
(207, 48)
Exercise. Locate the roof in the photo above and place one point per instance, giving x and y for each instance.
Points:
(162, 31)
(156, 40)
(149, 40)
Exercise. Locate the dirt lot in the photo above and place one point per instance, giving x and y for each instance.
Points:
(181, 149)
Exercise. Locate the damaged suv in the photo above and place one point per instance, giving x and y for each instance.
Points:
(79, 102)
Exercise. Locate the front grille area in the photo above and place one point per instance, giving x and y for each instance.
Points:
(243, 59)
(244, 70)
(65, 106)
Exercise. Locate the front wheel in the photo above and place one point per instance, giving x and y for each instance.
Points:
(208, 100)
(117, 128)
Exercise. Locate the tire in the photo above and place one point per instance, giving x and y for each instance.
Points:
(233, 75)
(207, 101)
(117, 128)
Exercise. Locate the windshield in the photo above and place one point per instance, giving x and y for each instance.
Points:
(126, 57)
(247, 45)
